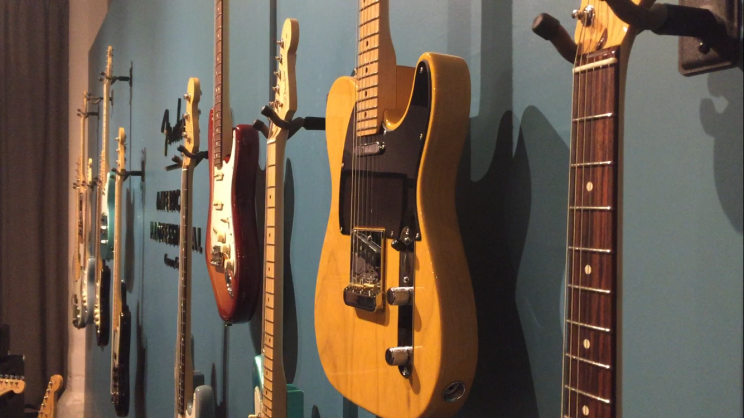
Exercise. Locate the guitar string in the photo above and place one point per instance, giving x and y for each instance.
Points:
(354, 175)
(572, 217)
(579, 196)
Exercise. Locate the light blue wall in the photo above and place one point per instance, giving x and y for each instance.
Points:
(682, 291)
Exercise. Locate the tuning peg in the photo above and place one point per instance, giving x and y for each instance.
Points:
(278, 74)
(278, 58)
(276, 89)
(280, 43)
(187, 97)
(550, 29)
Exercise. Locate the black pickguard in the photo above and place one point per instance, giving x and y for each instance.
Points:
(383, 186)
(104, 308)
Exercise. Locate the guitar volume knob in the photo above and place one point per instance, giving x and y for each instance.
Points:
(399, 356)
(400, 296)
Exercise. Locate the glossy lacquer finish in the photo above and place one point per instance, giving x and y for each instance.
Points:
(246, 281)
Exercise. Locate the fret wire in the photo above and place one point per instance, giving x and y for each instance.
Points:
(588, 395)
(590, 289)
(593, 363)
(583, 325)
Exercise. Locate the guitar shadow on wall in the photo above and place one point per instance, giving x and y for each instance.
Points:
(291, 337)
(140, 403)
(726, 128)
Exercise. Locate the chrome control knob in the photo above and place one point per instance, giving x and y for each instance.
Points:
(400, 296)
(399, 356)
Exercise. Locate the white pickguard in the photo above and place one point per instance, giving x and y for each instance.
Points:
(222, 221)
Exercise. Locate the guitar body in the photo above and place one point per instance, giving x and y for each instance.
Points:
(425, 145)
(120, 393)
(295, 397)
(102, 315)
(85, 291)
(107, 219)
(237, 293)
(202, 405)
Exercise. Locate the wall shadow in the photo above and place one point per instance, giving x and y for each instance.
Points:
(503, 381)
(726, 129)
(291, 339)
(255, 324)
(140, 372)
(540, 283)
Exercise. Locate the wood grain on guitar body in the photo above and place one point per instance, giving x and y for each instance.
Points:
(393, 271)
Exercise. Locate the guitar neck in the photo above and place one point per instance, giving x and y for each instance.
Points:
(184, 368)
(116, 305)
(273, 315)
(376, 66)
(589, 372)
(103, 165)
(221, 119)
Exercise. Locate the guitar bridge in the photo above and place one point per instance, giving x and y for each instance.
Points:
(365, 289)
(218, 259)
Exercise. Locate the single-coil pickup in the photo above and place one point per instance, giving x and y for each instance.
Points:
(368, 150)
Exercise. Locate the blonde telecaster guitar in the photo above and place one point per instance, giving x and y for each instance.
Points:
(395, 315)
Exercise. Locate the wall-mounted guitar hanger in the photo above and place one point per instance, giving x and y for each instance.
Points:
(709, 30)
(308, 123)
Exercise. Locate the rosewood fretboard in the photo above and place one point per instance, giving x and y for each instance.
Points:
(589, 371)
(220, 119)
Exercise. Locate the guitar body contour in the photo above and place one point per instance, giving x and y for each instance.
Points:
(238, 294)
(352, 342)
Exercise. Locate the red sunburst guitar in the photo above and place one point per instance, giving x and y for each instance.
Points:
(233, 261)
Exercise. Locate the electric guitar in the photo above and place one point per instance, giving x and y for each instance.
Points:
(395, 315)
(121, 318)
(13, 384)
(273, 397)
(49, 405)
(232, 238)
(600, 58)
(104, 222)
(83, 285)
(189, 402)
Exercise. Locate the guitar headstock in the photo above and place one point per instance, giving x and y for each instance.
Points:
(191, 120)
(13, 384)
(109, 64)
(598, 26)
(285, 98)
(48, 406)
(121, 160)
